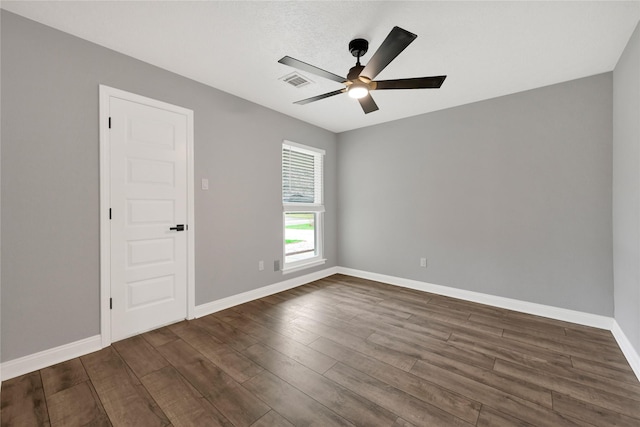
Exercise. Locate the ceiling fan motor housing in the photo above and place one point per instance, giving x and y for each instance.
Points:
(354, 72)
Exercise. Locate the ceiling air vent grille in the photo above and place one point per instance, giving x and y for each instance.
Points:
(296, 80)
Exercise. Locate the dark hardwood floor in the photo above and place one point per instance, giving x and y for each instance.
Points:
(341, 351)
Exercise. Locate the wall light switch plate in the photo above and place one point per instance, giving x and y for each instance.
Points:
(205, 184)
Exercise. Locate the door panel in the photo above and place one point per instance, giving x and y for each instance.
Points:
(144, 293)
(148, 152)
(141, 211)
(150, 172)
(149, 252)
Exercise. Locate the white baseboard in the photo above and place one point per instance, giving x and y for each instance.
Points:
(33, 362)
(627, 349)
(43, 359)
(557, 313)
(224, 303)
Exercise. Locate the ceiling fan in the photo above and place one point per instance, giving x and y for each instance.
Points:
(359, 81)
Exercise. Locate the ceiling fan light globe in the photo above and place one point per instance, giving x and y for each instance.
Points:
(358, 91)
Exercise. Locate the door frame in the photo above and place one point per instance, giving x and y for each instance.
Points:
(105, 93)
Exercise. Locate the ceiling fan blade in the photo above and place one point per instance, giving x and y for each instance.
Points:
(292, 62)
(368, 104)
(397, 40)
(414, 83)
(319, 97)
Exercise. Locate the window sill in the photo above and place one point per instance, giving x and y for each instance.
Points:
(298, 267)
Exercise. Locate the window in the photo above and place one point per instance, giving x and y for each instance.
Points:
(302, 206)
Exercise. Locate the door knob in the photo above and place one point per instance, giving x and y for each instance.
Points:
(179, 227)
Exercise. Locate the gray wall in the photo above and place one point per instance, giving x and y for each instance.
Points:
(626, 190)
(50, 183)
(509, 197)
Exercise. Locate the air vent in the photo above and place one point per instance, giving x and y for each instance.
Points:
(296, 80)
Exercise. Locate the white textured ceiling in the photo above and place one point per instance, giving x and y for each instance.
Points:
(487, 49)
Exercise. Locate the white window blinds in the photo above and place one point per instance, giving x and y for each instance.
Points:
(301, 175)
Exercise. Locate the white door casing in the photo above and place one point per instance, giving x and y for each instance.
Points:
(146, 182)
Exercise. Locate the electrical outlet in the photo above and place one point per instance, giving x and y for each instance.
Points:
(260, 265)
(423, 262)
(276, 265)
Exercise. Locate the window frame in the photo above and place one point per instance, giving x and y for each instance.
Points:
(315, 208)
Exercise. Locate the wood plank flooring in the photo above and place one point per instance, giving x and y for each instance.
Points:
(341, 351)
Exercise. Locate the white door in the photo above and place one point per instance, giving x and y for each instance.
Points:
(148, 201)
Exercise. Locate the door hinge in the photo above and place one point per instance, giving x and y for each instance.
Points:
(109, 122)
(110, 303)
(109, 213)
